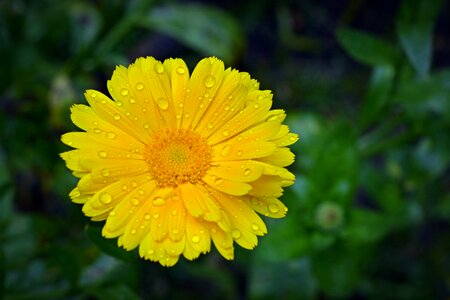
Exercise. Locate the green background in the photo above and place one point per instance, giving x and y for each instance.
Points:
(366, 85)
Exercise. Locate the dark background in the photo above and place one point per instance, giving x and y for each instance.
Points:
(366, 85)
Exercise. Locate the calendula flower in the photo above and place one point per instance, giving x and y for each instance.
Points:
(176, 161)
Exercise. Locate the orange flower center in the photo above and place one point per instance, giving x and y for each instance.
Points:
(176, 156)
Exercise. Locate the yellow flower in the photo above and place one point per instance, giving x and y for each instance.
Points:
(176, 161)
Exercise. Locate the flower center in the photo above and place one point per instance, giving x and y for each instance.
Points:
(176, 156)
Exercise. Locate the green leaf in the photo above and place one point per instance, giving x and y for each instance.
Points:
(366, 48)
(338, 269)
(366, 226)
(415, 24)
(85, 25)
(109, 246)
(116, 292)
(378, 94)
(205, 29)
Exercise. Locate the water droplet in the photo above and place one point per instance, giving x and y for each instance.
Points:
(187, 115)
(93, 94)
(147, 217)
(236, 233)
(273, 208)
(226, 133)
(159, 68)
(201, 105)
(195, 239)
(256, 106)
(163, 103)
(112, 213)
(178, 116)
(255, 227)
(247, 172)
(124, 92)
(226, 150)
(133, 231)
(146, 125)
(181, 105)
(239, 153)
(155, 216)
(140, 192)
(105, 198)
(102, 154)
(174, 212)
(97, 130)
(158, 201)
(124, 187)
(180, 70)
(139, 86)
(292, 138)
(209, 81)
(132, 100)
(117, 117)
(227, 108)
(210, 125)
(105, 172)
(110, 135)
(135, 201)
(150, 252)
(134, 184)
(175, 231)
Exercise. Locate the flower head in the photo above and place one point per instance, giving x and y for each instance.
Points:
(176, 161)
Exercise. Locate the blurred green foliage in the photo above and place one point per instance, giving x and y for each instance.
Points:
(366, 85)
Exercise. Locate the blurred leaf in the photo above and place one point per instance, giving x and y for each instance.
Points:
(367, 226)
(415, 23)
(378, 94)
(283, 280)
(19, 240)
(68, 260)
(6, 191)
(206, 29)
(115, 292)
(62, 95)
(85, 24)
(338, 270)
(422, 97)
(109, 246)
(366, 48)
(2, 270)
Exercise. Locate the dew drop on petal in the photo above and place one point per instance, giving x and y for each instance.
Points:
(255, 227)
(159, 68)
(236, 233)
(226, 133)
(155, 216)
(247, 172)
(209, 81)
(105, 172)
(163, 103)
(117, 117)
(239, 153)
(105, 198)
(195, 239)
(139, 86)
(102, 154)
(110, 135)
(226, 150)
(256, 106)
(124, 92)
(135, 201)
(174, 212)
(132, 100)
(273, 208)
(147, 217)
(97, 130)
(93, 94)
(133, 231)
(112, 214)
(140, 191)
(180, 70)
(158, 201)
(119, 103)
(175, 231)
(124, 187)
(210, 125)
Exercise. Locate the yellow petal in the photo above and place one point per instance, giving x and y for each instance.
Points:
(197, 234)
(281, 157)
(205, 81)
(227, 186)
(243, 171)
(223, 241)
(199, 203)
(269, 207)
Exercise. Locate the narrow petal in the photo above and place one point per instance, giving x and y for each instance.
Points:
(199, 203)
(227, 186)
